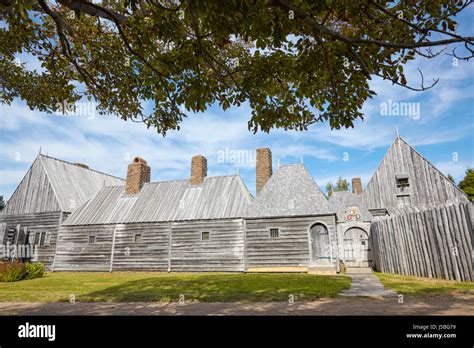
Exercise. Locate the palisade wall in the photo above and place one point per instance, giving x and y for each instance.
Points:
(435, 242)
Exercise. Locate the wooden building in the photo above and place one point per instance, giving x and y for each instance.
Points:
(80, 219)
(353, 228)
(406, 178)
(182, 225)
(47, 194)
(289, 226)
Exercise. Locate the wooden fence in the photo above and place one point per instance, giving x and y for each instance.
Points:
(436, 242)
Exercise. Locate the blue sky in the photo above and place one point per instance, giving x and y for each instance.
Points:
(443, 132)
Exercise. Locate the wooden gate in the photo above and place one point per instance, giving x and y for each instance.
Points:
(319, 243)
(356, 247)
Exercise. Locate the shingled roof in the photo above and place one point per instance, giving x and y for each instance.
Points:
(291, 191)
(217, 197)
(56, 185)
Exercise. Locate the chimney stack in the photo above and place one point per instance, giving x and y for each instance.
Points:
(198, 169)
(137, 175)
(356, 186)
(264, 167)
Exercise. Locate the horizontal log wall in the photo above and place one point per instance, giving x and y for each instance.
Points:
(223, 252)
(291, 248)
(150, 251)
(36, 222)
(75, 253)
(433, 243)
(149, 254)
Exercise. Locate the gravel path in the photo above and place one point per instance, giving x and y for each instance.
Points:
(437, 305)
(367, 285)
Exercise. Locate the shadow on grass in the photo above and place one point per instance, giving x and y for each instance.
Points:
(222, 288)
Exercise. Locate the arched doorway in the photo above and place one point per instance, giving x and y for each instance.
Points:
(356, 247)
(320, 248)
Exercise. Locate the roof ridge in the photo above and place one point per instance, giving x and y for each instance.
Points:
(73, 164)
(292, 164)
(178, 180)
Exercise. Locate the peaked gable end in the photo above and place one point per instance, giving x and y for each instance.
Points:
(406, 178)
(34, 194)
(74, 184)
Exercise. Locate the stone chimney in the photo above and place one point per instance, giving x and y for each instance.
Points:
(264, 167)
(137, 175)
(356, 186)
(198, 169)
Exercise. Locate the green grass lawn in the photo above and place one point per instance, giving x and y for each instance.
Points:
(139, 286)
(418, 286)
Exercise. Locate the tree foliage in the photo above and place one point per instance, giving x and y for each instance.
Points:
(467, 184)
(451, 178)
(2, 203)
(329, 189)
(341, 185)
(294, 62)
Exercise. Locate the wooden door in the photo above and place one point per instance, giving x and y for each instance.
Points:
(319, 243)
(356, 247)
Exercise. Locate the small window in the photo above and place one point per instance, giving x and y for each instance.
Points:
(205, 235)
(47, 241)
(138, 238)
(274, 233)
(402, 182)
(91, 239)
(43, 237)
(37, 238)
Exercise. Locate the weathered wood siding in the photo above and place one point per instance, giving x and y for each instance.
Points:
(433, 243)
(75, 253)
(427, 184)
(36, 223)
(149, 254)
(342, 228)
(291, 248)
(34, 194)
(223, 252)
(156, 249)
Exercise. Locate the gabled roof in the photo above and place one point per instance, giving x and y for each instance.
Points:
(73, 184)
(291, 191)
(219, 197)
(341, 200)
(55, 185)
(428, 185)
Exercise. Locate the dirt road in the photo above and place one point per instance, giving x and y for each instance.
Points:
(437, 305)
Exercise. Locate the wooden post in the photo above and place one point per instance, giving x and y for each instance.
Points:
(113, 249)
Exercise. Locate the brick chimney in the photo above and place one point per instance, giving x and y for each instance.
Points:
(356, 186)
(264, 167)
(198, 169)
(137, 175)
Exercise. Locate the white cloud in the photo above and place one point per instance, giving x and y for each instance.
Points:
(456, 168)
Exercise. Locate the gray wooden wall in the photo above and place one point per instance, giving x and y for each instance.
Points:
(427, 184)
(175, 247)
(291, 249)
(223, 252)
(151, 254)
(433, 243)
(36, 222)
(74, 253)
(34, 194)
